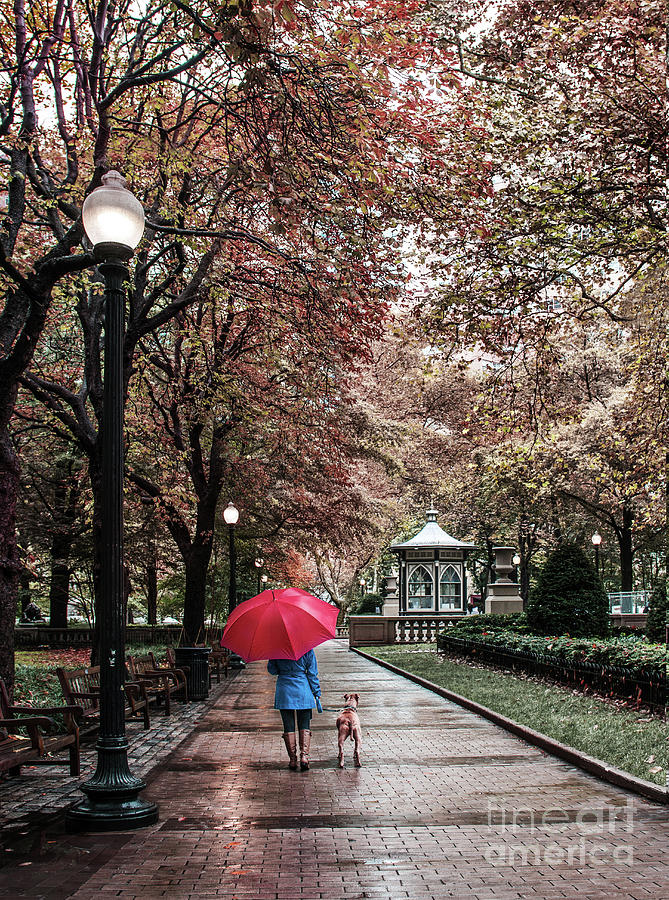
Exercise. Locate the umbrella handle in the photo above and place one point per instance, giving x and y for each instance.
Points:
(318, 704)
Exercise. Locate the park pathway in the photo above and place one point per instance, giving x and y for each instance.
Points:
(445, 805)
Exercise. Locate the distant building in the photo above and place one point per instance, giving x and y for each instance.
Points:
(432, 577)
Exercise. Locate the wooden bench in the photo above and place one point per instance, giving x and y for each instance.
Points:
(179, 675)
(159, 684)
(82, 687)
(219, 658)
(16, 750)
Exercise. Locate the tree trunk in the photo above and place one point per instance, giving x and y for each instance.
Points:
(23, 593)
(626, 551)
(59, 588)
(151, 570)
(10, 567)
(65, 497)
(152, 590)
(195, 601)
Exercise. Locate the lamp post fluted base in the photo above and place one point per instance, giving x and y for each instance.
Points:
(112, 802)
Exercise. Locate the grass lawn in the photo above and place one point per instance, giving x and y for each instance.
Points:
(632, 741)
(36, 682)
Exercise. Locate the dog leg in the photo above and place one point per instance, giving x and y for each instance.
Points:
(356, 749)
(340, 743)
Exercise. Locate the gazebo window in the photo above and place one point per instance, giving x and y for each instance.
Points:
(450, 593)
(421, 589)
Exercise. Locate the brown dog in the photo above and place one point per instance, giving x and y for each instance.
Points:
(348, 725)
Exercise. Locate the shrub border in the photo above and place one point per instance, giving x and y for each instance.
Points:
(596, 767)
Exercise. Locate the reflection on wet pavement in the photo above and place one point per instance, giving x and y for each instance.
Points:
(445, 805)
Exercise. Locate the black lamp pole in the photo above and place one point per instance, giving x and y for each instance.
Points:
(258, 563)
(232, 593)
(112, 801)
(231, 517)
(596, 541)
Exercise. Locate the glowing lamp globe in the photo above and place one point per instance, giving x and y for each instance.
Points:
(112, 214)
(231, 514)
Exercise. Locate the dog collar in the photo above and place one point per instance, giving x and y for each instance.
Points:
(353, 708)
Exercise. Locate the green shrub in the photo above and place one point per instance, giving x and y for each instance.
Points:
(477, 624)
(368, 605)
(657, 613)
(631, 652)
(569, 597)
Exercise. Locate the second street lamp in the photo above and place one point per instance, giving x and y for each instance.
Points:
(231, 517)
(258, 563)
(113, 219)
(596, 541)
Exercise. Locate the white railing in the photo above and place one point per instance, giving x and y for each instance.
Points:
(370, 630)
(628, 602)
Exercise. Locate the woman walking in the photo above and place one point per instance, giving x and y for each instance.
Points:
(298, 691)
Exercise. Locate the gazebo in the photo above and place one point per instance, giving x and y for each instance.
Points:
(432, 578)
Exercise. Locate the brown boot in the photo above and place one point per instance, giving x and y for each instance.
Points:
(291, 747)
(305, 743)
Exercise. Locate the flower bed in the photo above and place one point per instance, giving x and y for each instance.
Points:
(512, 631)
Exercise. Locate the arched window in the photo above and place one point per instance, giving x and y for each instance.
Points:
(450, 591)
(421, 589)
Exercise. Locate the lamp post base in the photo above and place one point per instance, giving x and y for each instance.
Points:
(111, 802)
(112, 814)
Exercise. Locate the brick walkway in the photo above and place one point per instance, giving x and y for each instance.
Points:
(446, 805)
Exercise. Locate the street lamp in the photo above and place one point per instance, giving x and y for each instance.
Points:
(259, 563)
(113, 220)
(231, 517)
(596, 540)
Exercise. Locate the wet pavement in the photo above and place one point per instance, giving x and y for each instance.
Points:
(445, 805)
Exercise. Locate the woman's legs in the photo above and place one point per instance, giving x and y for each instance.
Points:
(303, 717)
(303, 723)
(289, 738)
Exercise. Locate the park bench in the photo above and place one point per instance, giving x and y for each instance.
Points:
(36, 749)
(82, 687)
(179, 673)
(159, 684)
(219, 658)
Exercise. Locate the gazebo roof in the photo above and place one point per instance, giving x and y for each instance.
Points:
(432, 535)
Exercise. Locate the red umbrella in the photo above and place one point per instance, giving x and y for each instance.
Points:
(280, 624)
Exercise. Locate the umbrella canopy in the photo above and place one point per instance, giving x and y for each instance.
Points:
(281, 624)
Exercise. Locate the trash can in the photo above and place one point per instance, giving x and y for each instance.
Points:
(196, 659)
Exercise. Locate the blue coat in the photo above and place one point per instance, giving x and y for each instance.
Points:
(297, 684)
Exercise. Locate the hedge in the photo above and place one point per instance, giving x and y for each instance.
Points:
(629, 651)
